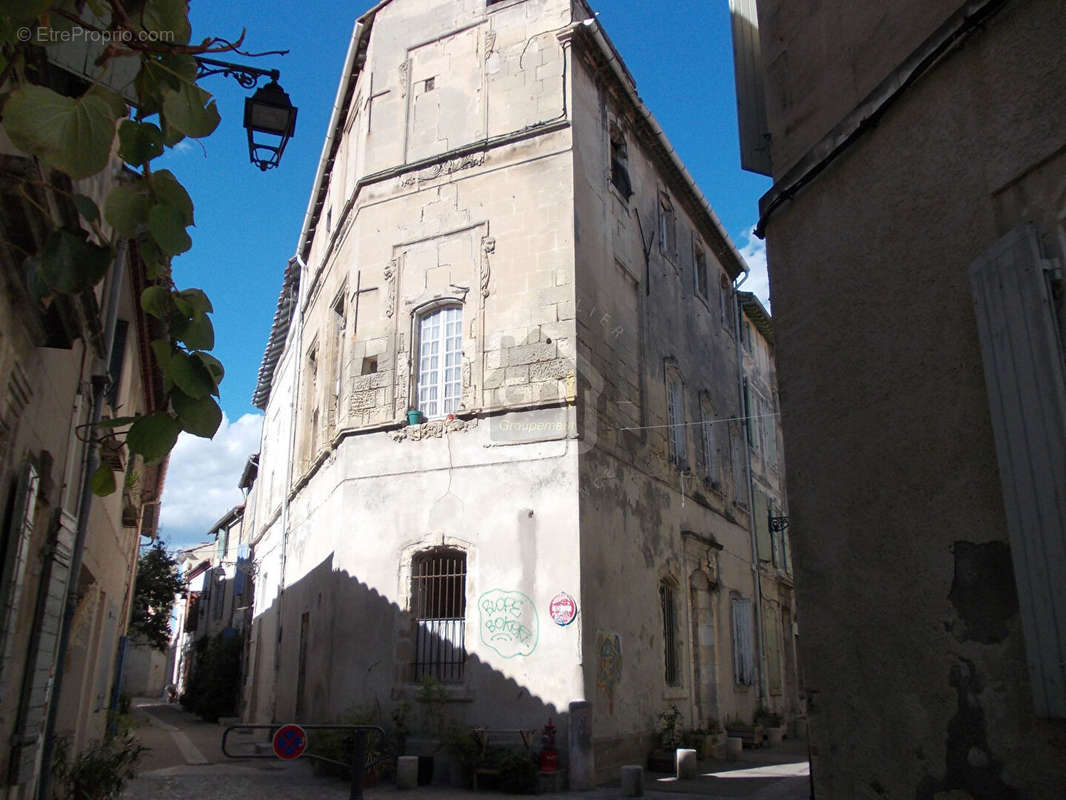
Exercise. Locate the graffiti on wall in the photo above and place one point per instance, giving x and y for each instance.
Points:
(509, 622)
(608, 665)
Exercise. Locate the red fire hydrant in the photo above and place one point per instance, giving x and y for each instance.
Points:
(549, 756)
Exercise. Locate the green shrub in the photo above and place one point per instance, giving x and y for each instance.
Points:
(518, 772)
(98, 772)
(213, 688)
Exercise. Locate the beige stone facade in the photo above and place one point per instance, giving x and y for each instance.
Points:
(493, 194)
(55, 356)
(912, 144)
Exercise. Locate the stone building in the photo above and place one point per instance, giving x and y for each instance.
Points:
(915, 234)
(64, 362)
(503, 443)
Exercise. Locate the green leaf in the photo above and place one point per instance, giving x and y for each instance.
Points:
(169, 19)
(153, 435)
(190, 110)
(169, 191)
(167, 227)
(190, 375)
(156, 265)
(126, 207)
(198, 334)
(73, 135)
(193, 303)
(163, 350)
(155, 300)
(70, 263)
(87, 208)
(214, 366)
(139, 142)
(200, 417)
(103, 481)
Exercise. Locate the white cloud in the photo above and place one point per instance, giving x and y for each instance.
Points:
(754, 253)
(201, 483)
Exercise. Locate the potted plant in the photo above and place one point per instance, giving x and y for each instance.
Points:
(664, 757)
(771, 722)
(750, 734)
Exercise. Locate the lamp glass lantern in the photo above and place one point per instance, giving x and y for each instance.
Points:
(270, 118)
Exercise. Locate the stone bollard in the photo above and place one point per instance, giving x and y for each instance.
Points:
(407, 772)
(687, 763)
(633, 781)
(733, 747)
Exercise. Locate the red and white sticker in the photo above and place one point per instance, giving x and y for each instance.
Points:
(562, 609)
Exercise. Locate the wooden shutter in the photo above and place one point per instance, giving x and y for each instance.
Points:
(743, 642)
(751, 94)
(19, 534)
(42, 651)
(1023, 364)
(761, 509)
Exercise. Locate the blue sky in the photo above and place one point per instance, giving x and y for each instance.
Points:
(248, 222)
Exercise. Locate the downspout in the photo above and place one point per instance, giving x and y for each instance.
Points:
(294, 396)
(752, 534)
(90, 462)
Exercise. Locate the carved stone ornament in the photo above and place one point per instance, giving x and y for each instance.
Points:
(434, 429)
(391, 271)
(488, 245)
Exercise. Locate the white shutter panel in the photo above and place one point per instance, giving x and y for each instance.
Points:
(1023, 365)
(41, 658)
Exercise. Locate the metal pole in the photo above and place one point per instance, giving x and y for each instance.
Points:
(359, 764)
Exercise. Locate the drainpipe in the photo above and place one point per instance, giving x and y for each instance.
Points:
(756, 575)
(295, 404)
(90, 461)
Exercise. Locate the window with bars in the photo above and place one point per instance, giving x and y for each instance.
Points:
(440, 351)
(668, 601)
(438, 602)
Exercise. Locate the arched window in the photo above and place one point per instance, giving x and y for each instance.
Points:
(438, 602)
(440, 365)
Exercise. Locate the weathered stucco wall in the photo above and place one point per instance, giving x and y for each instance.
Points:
(912, 644)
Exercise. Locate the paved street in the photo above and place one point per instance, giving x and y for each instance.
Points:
(185, 762)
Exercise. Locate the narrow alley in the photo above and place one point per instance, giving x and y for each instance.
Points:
(185, 761)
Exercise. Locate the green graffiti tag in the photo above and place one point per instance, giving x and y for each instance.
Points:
(509, 623)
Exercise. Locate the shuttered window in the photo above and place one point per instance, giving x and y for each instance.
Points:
(15, 550)
(676, 413)
(712, 456)
(438, 601)
(743, 642)
(440, 361)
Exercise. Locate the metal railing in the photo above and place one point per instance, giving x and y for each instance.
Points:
(361, 746)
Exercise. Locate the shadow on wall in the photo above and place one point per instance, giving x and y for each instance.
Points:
(343, 647)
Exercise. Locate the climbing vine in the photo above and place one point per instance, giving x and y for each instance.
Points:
(73, 138)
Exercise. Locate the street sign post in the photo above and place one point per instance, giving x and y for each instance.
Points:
(290, 741)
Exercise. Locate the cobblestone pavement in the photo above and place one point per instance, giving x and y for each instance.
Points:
(185, 762)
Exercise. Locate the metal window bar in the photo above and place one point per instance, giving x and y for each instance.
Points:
(666, 598)
(438, 599)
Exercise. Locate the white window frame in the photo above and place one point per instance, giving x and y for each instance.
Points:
(439, 384)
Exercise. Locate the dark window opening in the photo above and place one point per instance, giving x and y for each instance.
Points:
(438, 602)
(370, 365)
(620, 163)
(669, 607)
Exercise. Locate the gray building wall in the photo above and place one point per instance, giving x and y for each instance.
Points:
(913, 648)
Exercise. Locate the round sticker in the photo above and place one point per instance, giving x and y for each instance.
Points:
(562, 609)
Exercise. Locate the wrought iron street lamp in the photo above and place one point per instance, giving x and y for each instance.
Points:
(269, 115)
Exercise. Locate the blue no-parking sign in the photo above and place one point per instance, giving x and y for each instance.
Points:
(290, 741)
